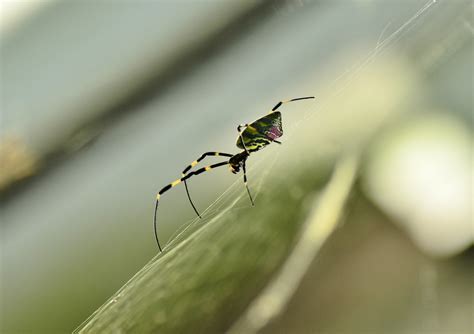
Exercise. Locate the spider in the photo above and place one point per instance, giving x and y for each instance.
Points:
(252, 137)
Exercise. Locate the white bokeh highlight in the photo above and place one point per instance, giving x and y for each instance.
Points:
(420, 173)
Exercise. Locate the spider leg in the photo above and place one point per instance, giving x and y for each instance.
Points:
(246, 186)
(190, 200)
(239, 128)
(175, 183)
(286, 101)
(194, 163)
(204, 155)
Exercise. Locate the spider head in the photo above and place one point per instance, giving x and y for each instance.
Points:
(237, 161)
(235, 169)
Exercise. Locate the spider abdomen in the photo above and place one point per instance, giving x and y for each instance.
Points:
(261, 132)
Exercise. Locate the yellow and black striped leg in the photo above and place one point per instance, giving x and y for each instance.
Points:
(175, 183)
(161, 192)
(286, 101)
(194, 163)
(246, 186)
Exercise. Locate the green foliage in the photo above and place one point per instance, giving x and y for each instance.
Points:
(204, 283)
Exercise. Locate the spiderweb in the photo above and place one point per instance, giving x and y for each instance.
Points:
(228, 200)
(225, 202)
(234, 194)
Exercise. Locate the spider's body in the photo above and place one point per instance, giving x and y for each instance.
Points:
(252, 138)
(237, 161)
(261, 132)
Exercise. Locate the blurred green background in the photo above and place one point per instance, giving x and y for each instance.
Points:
(105, 102)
